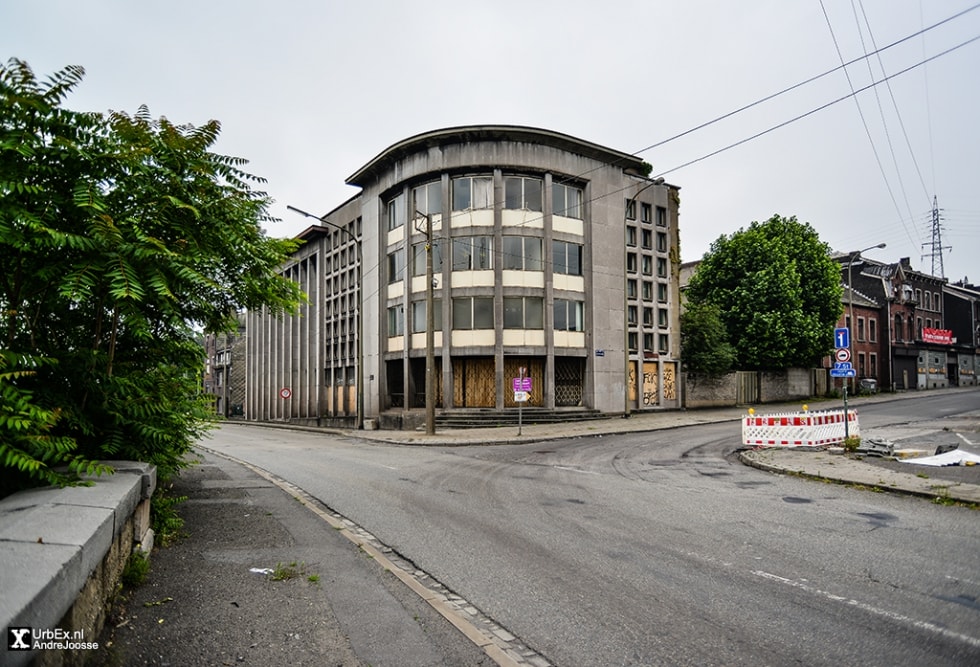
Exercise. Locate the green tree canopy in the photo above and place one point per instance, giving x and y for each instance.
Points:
(778, 292)
(704, 341)
(120, 237)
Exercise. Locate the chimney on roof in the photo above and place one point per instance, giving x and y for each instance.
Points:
(906, 264)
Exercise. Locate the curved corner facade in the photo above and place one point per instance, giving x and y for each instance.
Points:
(551, 258)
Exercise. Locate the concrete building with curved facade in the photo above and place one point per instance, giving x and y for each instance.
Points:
(551, 256)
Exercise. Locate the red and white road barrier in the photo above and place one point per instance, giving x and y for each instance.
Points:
(799, 429)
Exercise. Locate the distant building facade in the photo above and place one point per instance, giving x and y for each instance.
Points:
(224, 371)
(903, 336)
(552, 257)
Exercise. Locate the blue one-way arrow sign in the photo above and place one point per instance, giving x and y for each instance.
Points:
(842, 337)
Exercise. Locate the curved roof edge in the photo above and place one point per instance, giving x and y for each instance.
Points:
(470, 133)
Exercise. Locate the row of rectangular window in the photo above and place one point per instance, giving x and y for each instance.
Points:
(647, 236)
(476, 192)
(662, 318)
(663, 342)
(477, 313)
(475, 253)
(647, 261)
(646, 212)
(631, 290)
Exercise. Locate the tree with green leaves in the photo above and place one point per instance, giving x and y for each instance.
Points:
(121, 237)
(704, 341)
(777, 290)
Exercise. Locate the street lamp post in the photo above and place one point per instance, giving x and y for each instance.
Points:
(360, 319)
(850, 308)
(430, 323)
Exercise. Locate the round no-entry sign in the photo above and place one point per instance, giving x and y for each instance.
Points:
(843, 354)
(285, 392)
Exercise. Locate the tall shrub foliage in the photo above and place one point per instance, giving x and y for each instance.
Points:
(121, 237)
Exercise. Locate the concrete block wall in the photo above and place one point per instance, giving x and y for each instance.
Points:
(63, 552)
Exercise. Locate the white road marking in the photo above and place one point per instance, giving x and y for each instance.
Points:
(963, 438)
(584, 472)
(921, 625)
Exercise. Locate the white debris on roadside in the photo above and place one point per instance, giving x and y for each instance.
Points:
(956, 457)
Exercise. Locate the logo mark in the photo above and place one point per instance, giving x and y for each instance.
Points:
(18, 639)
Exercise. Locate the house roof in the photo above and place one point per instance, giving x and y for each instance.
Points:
(476, 133)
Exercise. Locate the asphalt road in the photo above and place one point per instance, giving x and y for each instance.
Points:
(659, 548)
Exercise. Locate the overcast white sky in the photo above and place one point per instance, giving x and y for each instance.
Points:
(309, 91)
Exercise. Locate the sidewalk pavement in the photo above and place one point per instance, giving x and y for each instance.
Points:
(350, 601)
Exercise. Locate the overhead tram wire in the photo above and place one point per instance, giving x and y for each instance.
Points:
(891, 93)
(774, 127)
(816, 77)
(867, 130)
(812, 111)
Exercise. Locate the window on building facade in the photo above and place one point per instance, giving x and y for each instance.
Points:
(472, 253)
(647, 290)
(522, 193)
(472, 192)
(567, 258)
(418, 315)
(874, 365)
(661, 242)
(566, 200)
(860, 329)
(648, 317)
(918, 328)
(661, 216)
(661, 267)
(872, 330)
(523, 312)
(928, 303)
(522, 253)
(918, 296)
(396, 321)
(647, 239)
(631, 339)
(428, 198)
(631, 315)
(630, 235)
(418, 258)
(936, 303)
(396, 212)
(646, 213)
(861, 372)
(473, 312)
(631, 262)
(662, 292)
(648, 342)
(647, 265)
(662, 318)
(664, 340)
(396, 266)
(899, 329)
(631, 209)
(569, 315)
(631, 288)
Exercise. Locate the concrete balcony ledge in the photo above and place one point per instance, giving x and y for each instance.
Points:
(63, 550)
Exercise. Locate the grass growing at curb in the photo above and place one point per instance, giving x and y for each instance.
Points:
(136, 570)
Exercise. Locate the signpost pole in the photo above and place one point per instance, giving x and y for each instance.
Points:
(846, 425)
(520, 406)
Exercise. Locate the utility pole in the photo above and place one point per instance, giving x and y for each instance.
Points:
(937, 241)
(430, 325)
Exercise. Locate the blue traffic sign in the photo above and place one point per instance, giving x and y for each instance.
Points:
(842, 366)
(842, 337)
(843, 373)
